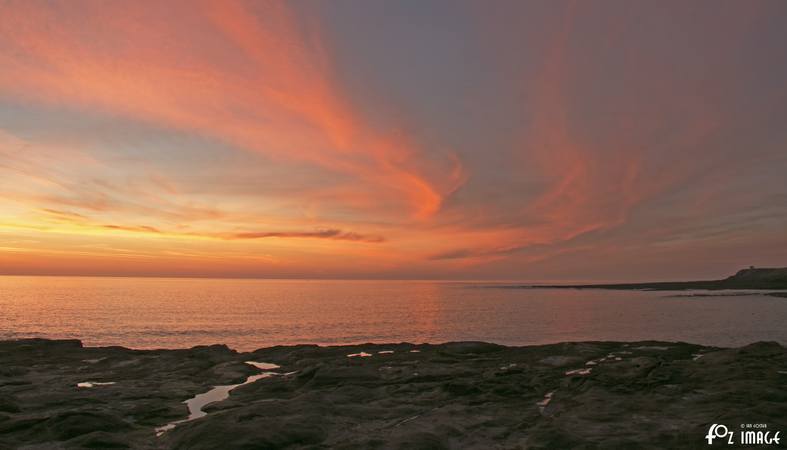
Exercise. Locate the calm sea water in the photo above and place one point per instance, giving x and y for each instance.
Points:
(249, 314)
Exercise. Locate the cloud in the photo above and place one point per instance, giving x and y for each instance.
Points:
(140, 228)
(234, 132)
(319, 233)
(474, 253)
(326, 233)
(593, 164)
(249, 74)
(68, 215)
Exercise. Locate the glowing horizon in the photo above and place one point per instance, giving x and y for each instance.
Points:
(427, 140)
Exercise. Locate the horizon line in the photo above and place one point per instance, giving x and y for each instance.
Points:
(458, 280)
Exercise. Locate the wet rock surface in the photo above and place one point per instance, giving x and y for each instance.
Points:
(455, 395)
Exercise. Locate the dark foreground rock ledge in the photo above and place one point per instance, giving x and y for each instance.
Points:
(455, 395)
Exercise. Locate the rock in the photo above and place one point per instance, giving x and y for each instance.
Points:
(9, 405)
(470, 347)
(561, 360)
(456, 395)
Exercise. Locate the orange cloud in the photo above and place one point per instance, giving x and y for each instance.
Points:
(326, 233)
(566, 167)
(586, 186)
(252, 78)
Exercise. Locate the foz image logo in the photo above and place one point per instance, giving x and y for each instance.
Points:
(755, 434)
(718, 431)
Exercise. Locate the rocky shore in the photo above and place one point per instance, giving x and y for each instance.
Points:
(59, 394)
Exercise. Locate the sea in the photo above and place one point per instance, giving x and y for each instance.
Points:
(248, 314)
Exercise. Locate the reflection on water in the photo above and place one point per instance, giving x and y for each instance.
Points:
(545, 402)
(249, 314)
(216, 394)
(90, 384)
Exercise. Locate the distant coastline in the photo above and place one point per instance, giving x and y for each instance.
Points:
(751, 278)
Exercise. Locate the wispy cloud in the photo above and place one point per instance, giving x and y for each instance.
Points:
(277, 95)
(262, 134)
(319, 233)
(327, 233)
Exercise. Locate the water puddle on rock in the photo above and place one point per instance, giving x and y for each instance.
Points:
(217, 394)
(579, 372)
(94, 361)
(614, 356)
(543, 403)
(90, 384)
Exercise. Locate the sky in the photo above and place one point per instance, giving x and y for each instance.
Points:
(509, 140)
